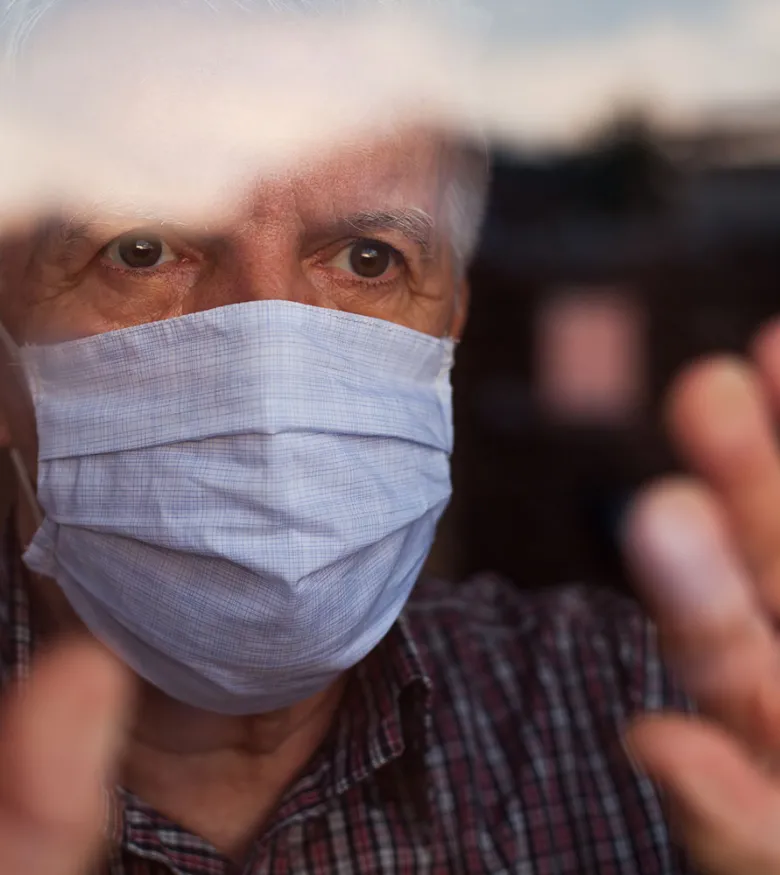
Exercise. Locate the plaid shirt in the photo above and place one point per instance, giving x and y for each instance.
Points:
(481, 736)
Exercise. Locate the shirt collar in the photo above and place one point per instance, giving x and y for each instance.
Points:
(382, 733)
(385, 716)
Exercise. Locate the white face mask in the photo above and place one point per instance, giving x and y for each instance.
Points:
(238, 502)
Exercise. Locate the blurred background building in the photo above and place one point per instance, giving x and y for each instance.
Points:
(600, 273)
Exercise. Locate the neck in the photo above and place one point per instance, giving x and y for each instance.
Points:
(173, 728)
(223, 777)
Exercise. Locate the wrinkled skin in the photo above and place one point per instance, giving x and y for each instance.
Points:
(705, 551)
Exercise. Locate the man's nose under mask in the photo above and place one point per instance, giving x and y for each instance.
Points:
(238, 502)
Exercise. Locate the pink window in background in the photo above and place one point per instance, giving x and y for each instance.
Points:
(590, 356)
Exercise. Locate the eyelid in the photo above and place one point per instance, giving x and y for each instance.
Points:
(343, 245)
(185, 252)
(116, 241)
(400, 262)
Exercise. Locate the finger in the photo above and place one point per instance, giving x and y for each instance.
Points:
(714, 633)
(766, 354)
(720, 420)
(726, 808)
(60, 736)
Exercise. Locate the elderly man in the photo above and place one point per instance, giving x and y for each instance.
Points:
(231, 451)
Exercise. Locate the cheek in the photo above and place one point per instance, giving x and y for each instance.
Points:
(430, 312)
(105, 302)
(441, 301)
(64, 318)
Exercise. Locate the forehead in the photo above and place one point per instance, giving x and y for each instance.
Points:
(401, 170)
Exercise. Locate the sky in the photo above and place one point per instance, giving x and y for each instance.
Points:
(564, 19)
(570, 60)
(170, 115)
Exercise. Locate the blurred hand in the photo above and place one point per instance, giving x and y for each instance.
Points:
(60, 736)
(705, 553)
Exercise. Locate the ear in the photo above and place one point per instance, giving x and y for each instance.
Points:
(5, 390)
(461, 312)
(18, 432)
(17, 414)
(8, 485)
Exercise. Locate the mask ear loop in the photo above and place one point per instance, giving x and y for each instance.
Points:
(23, 475)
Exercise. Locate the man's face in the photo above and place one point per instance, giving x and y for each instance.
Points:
(363, 231)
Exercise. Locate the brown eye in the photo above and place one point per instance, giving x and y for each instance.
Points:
(139, 251)
(370, 259)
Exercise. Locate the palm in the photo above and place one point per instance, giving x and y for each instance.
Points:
(706, 555)
(59, 739)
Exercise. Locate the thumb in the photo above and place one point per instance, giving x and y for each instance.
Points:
(725, 807)
(60, 737)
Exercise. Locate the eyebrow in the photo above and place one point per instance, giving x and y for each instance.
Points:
(415, 224)
(58, 238)
(56, 231)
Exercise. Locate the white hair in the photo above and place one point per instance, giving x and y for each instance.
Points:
(466, 201)
(466, 190)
